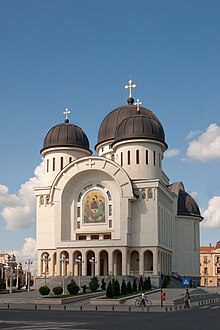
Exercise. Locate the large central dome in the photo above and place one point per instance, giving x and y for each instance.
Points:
(153, 128)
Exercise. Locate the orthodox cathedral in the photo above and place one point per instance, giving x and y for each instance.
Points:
(116, 213)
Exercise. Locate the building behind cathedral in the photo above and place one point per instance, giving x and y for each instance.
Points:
(116, 210)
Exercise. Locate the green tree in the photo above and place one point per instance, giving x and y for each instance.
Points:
(72, 287)
(58, 290)
(129, 287)
(124, 290)
(2, 284)
(116, 289)
(109, 291)
(103, 284)
(94, 284)
(44, 290)
(134, 287)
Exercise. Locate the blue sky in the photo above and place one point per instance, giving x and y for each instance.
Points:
(80, 54)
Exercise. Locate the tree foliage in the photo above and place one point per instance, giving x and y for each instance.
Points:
(72, 287)
(44, 290)
(58, 290)
(94, 284)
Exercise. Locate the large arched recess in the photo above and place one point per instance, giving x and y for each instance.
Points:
(75, 177)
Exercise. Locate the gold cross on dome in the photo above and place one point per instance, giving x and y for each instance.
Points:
(66, 112)
(138, 103)
(130, 86)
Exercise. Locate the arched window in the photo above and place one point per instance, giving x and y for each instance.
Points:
(53, 164)
(150, 193)
(47, 165)
(154, 159)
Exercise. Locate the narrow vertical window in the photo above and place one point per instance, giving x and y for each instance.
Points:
(78, 211)
(146, 156)
(70, 159)
(154, 157)
(110, 210)
(129, 157)
(53, 164)
(61, 163)
(137, 156)
(47, 165)
(121, 158)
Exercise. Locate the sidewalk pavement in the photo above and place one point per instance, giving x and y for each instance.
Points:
(173, 296)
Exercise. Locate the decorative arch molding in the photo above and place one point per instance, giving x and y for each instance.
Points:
(98, 163)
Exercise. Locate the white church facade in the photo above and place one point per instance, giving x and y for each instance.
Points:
(115, 213)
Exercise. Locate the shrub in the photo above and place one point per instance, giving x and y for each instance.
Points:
(124, 290)
(58, 290)
(109, 291)
(134, 287)
(103, 285)
(94, 284)
(84, 287)
(2, 284)
(44, 290)
(129, 287)
(72, 287)
(141, 284)
(116, 289)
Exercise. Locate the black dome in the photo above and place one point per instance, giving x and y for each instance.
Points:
(187, 205)
(111, 122)
(140, 126)
(66, 135)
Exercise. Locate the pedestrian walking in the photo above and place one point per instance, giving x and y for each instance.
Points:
(186, 299)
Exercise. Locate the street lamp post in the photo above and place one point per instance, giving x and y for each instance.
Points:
(46, 258)
(92, 262)
(28, 263)
(79, 261)
(63, 260)
(10, 263)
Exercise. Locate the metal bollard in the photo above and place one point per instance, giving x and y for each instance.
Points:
(8, 306)
(35, 306)
(113, 308)
(64, 307)
(81, 307)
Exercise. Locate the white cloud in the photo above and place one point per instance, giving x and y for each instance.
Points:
(28, 251)
(207, 145)
(212, 213)
(172, 153)
(193, 134)
(18, 211)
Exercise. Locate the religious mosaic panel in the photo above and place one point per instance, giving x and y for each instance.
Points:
(94, 207)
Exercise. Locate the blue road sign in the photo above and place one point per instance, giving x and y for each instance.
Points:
(186, 281)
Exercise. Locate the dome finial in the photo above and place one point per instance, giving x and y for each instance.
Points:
(66, 112)
(138, 103)
(130, 86)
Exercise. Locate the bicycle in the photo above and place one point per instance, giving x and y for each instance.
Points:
(138, 302)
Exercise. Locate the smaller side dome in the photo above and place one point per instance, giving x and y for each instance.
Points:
(66, 135)
(187, 205)
(140, 126)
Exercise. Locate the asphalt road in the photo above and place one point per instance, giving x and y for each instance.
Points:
(199, 318)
